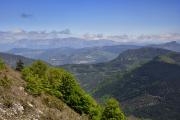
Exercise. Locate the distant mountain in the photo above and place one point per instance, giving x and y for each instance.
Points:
(26, 52)
(70, 42)
(174, 46)
(60, 56)
(127, 60)
(149, 91)
(12, 59)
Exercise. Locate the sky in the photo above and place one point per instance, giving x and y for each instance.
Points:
(92, 18)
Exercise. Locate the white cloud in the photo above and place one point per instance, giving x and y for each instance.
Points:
(19, 34)
(154, 38)
(92, 36)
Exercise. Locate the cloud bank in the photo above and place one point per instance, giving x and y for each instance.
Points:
(153, 38)
(19, 34)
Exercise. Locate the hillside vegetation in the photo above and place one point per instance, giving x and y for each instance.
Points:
(149, 91)
(47, 93)
(17, 104)
(127, 60)
(145, 81)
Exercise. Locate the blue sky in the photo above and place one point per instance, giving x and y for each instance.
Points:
(92, 16)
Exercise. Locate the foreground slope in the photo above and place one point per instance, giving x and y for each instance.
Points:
(149, 91)
(48, 93)
(17, 104)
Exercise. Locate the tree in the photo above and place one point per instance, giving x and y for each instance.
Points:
(2, 65)
(19, 65)
(39, 68)
(112, 111)
(59, 83)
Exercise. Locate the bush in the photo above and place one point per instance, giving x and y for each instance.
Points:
(61, 84)
(39, 68)
(2, 65)
(112, 111)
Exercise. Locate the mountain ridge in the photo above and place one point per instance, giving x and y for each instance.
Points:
(128, 59)
(11, 59)
(148, 91)
(66, 55)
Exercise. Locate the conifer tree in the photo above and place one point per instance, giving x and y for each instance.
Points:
(19, 65)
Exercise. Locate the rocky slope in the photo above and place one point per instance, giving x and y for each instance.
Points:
(17, 104)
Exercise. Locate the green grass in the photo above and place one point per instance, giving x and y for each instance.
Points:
(53, 102)
(5, 82)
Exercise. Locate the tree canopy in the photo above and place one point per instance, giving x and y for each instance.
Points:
(112, 111)
(59, 83)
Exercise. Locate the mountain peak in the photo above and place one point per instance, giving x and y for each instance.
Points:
(171, 43)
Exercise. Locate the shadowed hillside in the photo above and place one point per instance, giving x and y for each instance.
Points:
(125, 61)
(150, 90)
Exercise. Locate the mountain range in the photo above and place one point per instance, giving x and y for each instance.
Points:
(61, 56)
(79, 51)
(70, 42)
(174, 46)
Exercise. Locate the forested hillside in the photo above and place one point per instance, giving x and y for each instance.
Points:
(127, 60)
(150, 90)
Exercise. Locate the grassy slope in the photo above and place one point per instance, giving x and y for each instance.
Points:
(16, 103)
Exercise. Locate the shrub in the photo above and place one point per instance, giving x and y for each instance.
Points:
(39, 68)
(61, 84)
(112, 111)
(2, 65)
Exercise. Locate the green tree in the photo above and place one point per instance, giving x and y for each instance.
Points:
(112, 111)
(19, 65)
(2, 65)
(61, 84)
(39, 68)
